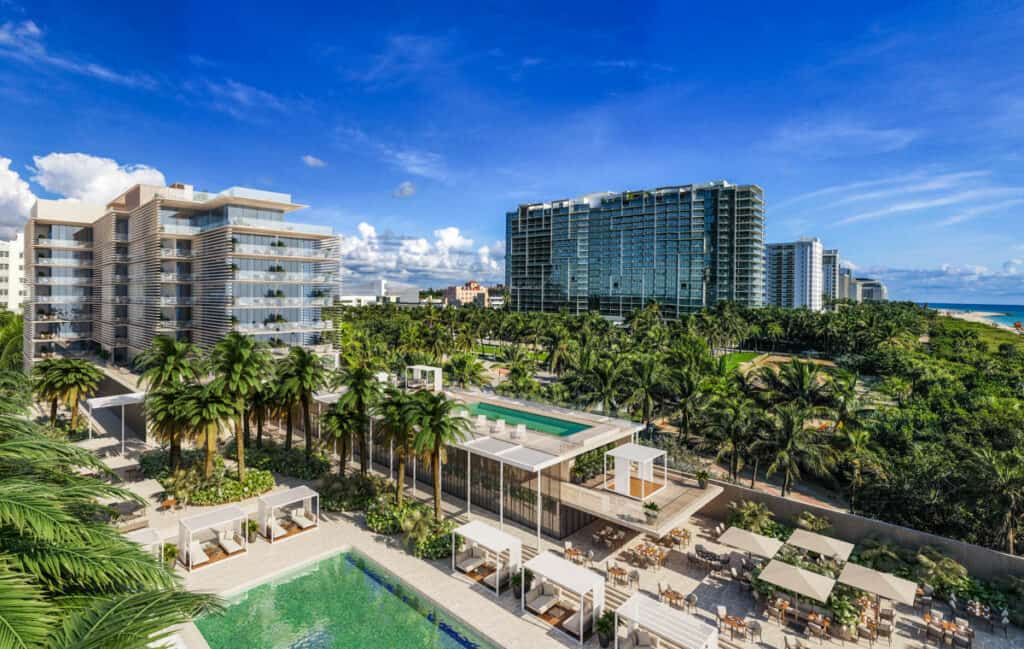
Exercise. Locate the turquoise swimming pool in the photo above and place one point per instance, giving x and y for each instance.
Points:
(533, 421)
(340, 602)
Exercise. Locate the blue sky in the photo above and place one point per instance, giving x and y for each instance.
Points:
(891, 132)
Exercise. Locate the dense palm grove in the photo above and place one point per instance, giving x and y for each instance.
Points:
(919, 421)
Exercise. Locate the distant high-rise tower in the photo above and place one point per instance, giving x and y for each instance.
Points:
(12, 273)
(830, 274)
(793, 274)
(685, 247)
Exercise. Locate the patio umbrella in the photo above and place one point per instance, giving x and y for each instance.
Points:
(798, 580)
(741, 539)
(879, 583)
(826, 546)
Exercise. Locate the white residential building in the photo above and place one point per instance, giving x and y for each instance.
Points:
(830, 274)
(12, 273)
(793, 277)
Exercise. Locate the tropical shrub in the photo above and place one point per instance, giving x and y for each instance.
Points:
(352, 492)
(756, 517)
(190, 487)
(383, 516)
(289, 462)
(229, 490)
(808, 521)
(589, 464)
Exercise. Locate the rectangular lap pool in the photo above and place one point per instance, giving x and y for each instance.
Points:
(533, 421)
(343, 601)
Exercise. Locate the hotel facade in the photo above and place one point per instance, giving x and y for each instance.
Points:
(174, 261)
(686, 247)
(794, 274)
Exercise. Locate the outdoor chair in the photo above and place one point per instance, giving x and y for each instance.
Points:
(634, 578)
(814, 630)
(774, 612)
(754, 628)
(936, 615)
(961, 622)
(1004, 624)
(541, 597)
(720, 612)
(884, 630)
(933, 631)
(864, 631)
(226, 540)
(691, 602)
(301, 520)
(887, 614)
(961, 641)
(590, 557)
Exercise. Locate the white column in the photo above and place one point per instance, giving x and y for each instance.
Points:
(469, 483)
(522, 587)
(453, 553)
(497, 578)
(616, 636)
(538, 511)
(122, 429)
(391, 461)
(501, 495)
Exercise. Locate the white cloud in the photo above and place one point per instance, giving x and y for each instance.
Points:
(23, 42)
(16, 199)
(313, 161)
(451, 239)
(925, 204)
(975, 212)
(411, 160)
(962, 283)
(405, 58)
(846, 187)
(239, 100)
(88, 178)
(835, 138)
(405, 189)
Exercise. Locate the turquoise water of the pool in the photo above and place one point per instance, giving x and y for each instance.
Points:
(342, 601)
(533, 421)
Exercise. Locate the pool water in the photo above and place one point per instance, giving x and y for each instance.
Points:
(343, 601)
(539, 423)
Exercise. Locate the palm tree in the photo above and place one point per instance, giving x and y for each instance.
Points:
(209, 412)
(793, 445)
(303, 373)
(263, 405)
(284, 399)
(12, 340)
(46, 384)
(168, 361)
(78, 380)
(796, 382)
(729, 431)
(397, 412)
(437, 427)
(67, 578)
(167, 420)
(239, 365)
(861, 456)
(604, 385)
(361, 394)
(646, 385)
(341, 424)
(1002, 473)
(465, 370)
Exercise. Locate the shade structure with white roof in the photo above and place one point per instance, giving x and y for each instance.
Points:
(423, 376)
(798, 580)
(228, 527)
(880, 583)
(642, 457)
(118, 400)
(149, 540)
(825, 546)
(672, 625)
(301, 505)
(741, 539)
(494, 541)
(568, 576)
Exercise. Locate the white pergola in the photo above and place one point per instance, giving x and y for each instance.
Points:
(122, 400)
(568, 576)
(221, 521)
(626, 457)
(820, 544)
(149, 540)
(426, 376)
(671, 625)
(741, 539)
(493, 541)
(268, 505)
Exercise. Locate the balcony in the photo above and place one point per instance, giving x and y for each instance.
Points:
(72, 316)
(173, 325)
(279, 301)
(61, 299)
(279, 251)
(57, 261)
(175, 300)
(267, 276)
(280, 226)
(175, 277)
(118, 278)
(123, 258)
(176, 253)
(63, 335)
(64, 281)
(285, 327)
(182, 230)
(62, 243)
(120, 299)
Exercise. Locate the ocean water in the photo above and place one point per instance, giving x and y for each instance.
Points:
(1008, 313)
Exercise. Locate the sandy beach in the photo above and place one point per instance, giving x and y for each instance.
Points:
(983, 317)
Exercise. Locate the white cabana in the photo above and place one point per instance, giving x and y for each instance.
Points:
(825, 546)
(118, 400)
(492, 540)
(672, 625)
(300, 506)
(227, 527)
(149, 540)
(798, 580)
(565, 575)
(423, 376)
(642, 457)
(880, 583)
(741, 539)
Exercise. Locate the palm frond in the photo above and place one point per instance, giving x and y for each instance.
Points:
(25, 616)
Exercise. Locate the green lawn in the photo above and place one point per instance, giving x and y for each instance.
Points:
(495, 352)
(991, 336)
(735, 359)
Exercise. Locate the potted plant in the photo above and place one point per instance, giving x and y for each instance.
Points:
(702, 478)
(576, 475)
(170, 554)
(516, 581)
(651, 511)
(605, 628)
(251, 529)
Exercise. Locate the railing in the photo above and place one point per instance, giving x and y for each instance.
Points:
(64, 335)
(174, 299)
(279, 301)
(176, 277)
(186, 230)
(62, 317)
(284, 226)
(119, 278)
(120, 299)
(279, 327)
(279, 251)
(63, 280)
(63, 243)
(119, 257)
(176, 252)
(61, 299)
(58, 261)
(174, 324)
(279, 277)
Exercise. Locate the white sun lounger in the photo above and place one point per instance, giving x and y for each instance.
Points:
(545, 596)
(572, 625)
(276, 531)
(227, 543)
(490, 580)
(196, 554)
(470, 564)
(302, 521)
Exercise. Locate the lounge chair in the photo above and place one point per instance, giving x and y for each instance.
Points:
(302, 521)
(639, 639)
(541, 597)
(474, 559)
(276, 531)
(226, 540)
(572, 624)
(196, 555)
(491, 579)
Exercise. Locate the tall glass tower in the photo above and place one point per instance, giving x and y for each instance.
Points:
(685, 247)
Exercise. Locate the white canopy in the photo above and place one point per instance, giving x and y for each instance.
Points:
(266, 505)
(208, 520)
(880, 583)
(748, 541)
(228, 523)
(570, 577)
(288, 497)
(625, 457)
(800, 581)
(826, 546)
(679, 628)
(115, 400)
(148, 538)
(636, 452)
(493, 540)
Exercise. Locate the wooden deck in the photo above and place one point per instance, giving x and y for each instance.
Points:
(556, 615)
(291, 529)
(638, 488)
(216, 554)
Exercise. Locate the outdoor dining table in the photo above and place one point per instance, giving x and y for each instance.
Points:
(673, 596)
(573, 554)
(735, 624)
(947, 625)
(618, 572)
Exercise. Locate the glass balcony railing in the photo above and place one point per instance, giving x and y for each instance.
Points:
(260, 275)
(174, 324)
(58, 261)
(65, 281)
(285, 327)
(279, 251)
(281, 226)
(279, 301)
(180, 253)
(61, 299)
(171, 300)
(186, 230)
(68, 316)
(63, 243)
(62, 335)
(176, 277)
